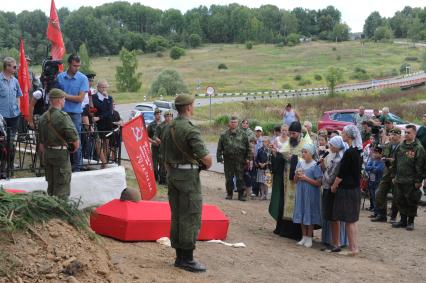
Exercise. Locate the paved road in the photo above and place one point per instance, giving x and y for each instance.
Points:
(124, 109)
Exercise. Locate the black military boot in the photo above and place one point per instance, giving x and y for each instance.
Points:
(410, 225)
(393, 214)
(402, 223)
(229, 196)
(178, 257)
(241, 196)
(188, 263)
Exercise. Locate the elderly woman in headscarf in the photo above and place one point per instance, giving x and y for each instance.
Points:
(307, 208)
(347, 198)
(333, 232)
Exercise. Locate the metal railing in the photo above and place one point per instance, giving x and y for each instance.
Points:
(21, 153)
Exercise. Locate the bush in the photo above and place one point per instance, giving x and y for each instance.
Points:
(194, 40)
(222, 66)
(334, 48)
(318, 77)
(222, 120)
(171, 81)
(394, 72)
(176, 52)
(287, 86)
(293, 39)
(280, 44)
(413, 59)
(338, 57)
(298, 77)
(304, 82)
(249, 45)
(157, 43)
(160, 54)
(360, 74)
(403, 68)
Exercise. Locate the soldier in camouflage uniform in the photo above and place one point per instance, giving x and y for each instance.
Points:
(386, 184)
(233, 149)
(408, 168)
(57, 131)
(152, 127)
(168, 118)
(184, 154)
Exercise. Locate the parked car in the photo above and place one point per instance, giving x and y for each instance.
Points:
(336, 119)
(165, 106)
(144, 109)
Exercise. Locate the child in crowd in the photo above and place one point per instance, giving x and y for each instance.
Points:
(262, 162)
(307, 208)
(374, 169)
(322, 145)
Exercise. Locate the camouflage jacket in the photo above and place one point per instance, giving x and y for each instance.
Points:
(233, 145)
(409, 163)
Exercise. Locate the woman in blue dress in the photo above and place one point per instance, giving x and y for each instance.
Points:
(307, 207)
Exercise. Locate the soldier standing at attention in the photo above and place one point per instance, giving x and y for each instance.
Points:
(168, 118)
(57, 131)
(409, 166)
(185, 154)
(152, 127)
(233, 149)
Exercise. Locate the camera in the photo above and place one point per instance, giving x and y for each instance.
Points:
(50, 69)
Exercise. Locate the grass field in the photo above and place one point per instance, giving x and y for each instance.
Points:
(265, 67)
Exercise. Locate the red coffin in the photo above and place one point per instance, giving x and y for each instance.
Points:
(14, 191)
(150, 220)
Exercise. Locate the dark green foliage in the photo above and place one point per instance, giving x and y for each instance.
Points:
(318, 77)
(21, 211)
(334, 48)
(338, 57)
(222, 120)
(194, 40)
(126, 76)
(249, 45)
(176, 52)
(293, 39)
(360, 74)
(304, 82)
(333, 77)
(404, 68)
(222, 66)
(298, 77)
(157, 43)
(286, 86)
(170, 81)
(159, 54)
(85, 60)
(413, 59)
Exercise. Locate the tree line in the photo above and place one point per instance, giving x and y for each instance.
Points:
(409, 23)
(106, 29)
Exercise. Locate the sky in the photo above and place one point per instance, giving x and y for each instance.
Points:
(354, 13)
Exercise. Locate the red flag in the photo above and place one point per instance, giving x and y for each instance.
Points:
(54, 34)
(24, 82)
(135, 137)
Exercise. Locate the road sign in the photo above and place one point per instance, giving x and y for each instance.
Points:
(210, 90)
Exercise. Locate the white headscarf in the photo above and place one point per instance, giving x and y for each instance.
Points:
(353, 132)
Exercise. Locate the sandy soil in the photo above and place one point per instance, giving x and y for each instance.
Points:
(387, 254)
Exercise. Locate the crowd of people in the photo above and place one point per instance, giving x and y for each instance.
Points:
(90, 107)
(318, 179)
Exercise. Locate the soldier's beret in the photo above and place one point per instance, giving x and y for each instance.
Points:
(168, 113)
(395, 131)
(157, 110)
(184, 99)
(56, 93)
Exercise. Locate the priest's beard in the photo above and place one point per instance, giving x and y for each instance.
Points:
(294, 141)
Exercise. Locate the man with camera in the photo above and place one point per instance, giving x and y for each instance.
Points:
(58, 138)
(75, 85)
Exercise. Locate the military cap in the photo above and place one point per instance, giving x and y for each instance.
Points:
(395, 131)
(157, 110)
(387, 120)
(56, 93)
(168, 113)
(184, 99)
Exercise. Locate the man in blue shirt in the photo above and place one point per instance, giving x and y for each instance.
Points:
(9, 95)
(75, 84)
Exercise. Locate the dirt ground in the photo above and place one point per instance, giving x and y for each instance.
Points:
(387, 254)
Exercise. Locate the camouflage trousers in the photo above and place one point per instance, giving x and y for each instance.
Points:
(58, 172)
(185, 201)
(385, 187)
(234, 169)
(407, 198)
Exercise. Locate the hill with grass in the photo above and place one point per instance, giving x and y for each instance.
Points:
(267, 67)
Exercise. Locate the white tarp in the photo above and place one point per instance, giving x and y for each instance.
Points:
(93, 188)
